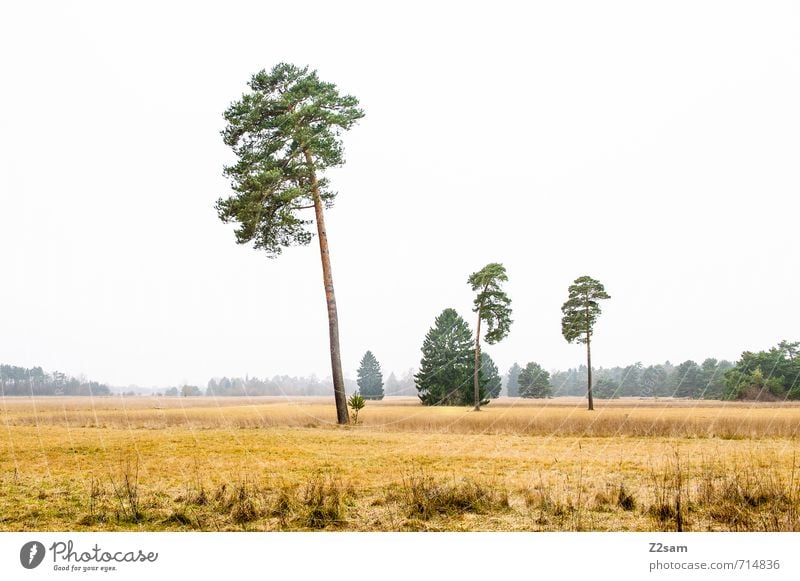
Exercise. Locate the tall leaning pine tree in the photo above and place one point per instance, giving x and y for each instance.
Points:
(579, 314)
(492, 305)
(285, 133)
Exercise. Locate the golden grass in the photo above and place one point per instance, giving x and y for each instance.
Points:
(278, 464)
(555, 418)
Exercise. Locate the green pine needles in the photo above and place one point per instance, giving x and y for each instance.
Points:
(356, 403)
(492, 303)
(446, 368)
(284, 132)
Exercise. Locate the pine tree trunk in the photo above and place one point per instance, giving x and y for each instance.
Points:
(589, 365)
(477, 364)
(342, 416)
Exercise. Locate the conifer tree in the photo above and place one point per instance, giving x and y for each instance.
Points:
(580, 312)
(492, 305)
(285, 134)
(392, 386)
(512, 385)
(370, 378)
(534, 381)
(444, 376)
(490, 377)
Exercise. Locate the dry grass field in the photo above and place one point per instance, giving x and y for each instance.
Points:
(155, 464)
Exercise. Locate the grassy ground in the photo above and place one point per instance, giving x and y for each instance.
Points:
(283, 464)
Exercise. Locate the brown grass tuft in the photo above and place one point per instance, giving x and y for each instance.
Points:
(426, 497)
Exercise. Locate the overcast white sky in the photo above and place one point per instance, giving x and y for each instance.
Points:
(653, 146)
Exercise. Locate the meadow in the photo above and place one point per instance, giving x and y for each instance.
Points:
(282, 464)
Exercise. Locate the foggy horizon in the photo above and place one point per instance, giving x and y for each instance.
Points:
(657, 158)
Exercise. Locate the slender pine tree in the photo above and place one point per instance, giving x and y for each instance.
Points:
(580, 312)
(492, 305)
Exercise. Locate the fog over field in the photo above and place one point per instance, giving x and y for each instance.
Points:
(651, 147)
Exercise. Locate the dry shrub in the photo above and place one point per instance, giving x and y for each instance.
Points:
(285, 505)
(243, 508)
(126, 491)
(547, 505)
(749, 500)
(323, 502)
(239, 501)
(625, 499)
(98, 504)
(195, 494)
(670, 491)
(740, 498)
(426, 497)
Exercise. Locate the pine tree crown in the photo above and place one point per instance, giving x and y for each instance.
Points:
(283, 132)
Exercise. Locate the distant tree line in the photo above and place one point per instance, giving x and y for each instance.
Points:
(34, 381)
(300, 386)
(686, 380)
(253, 386)
(771, 375)
(403, 385)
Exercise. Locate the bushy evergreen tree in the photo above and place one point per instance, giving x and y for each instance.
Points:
(446, 368)
(490, 377)
(370, 378)
(534, 381)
